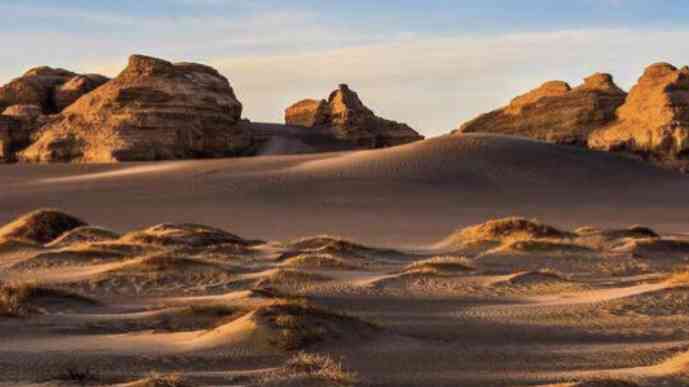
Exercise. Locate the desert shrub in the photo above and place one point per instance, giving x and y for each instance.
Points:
(308, 369)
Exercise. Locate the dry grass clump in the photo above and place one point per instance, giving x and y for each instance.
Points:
(84, 234)
(633, 232)
(40, 226)
(657, 248)
(156, 380)
(168, 262)
(440, 265)
(505, 229)
(307, 369)
(18, 300)
(546, 246)
(335, 246)
(319, 261)
(189, 235)
(606, 383)
(538, 277)
(290, 278)
(298, 324)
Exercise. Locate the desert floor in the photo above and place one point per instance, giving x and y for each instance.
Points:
(221, 273)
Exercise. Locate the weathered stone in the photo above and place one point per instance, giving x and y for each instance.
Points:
(350, 120)
(41, 87)
(8, 126)
(654, 121)
(308, 113)
(555, 112)
(153, 110)
(26, 121)
(67, 93)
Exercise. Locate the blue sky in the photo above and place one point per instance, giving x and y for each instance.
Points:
(431, 63)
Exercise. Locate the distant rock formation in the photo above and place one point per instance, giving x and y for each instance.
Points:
(153, 110)
(654, 121)
(50, 89)
(350, 120)
(555, 112)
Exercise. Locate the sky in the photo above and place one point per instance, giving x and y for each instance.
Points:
(430, 63)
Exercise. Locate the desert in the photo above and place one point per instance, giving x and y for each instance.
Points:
(206, 193)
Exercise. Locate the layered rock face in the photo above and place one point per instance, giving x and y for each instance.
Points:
(25, 119)
(153, 110)
(50, 89)
(28, 101)
(654, 121)
(350, 120)
(8, 129)
(555, 112)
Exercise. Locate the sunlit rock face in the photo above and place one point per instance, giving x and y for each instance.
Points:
(555, 112)
(350, 120)
(153, 110)
(49, 88)
(654, 121)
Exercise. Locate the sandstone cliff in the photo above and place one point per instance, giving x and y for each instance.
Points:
(153, 110)
(350, 120)
(555, 112)
(654, 121)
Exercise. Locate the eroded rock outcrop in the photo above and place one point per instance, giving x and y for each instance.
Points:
(350, 120)
(555, 112)
(654, 121)
(67, 93)
(153, 110)
(20, 122)
(49, 88)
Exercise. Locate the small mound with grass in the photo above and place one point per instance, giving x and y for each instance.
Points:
(41, 226)
(606, 383)
(25, 299)
(84, 234)
(288, 278)
(173, 380)
(306, 369)
(297, 325)
(159, 263)
(182, 235)
(633, 232)
(319, 261)
(324, 244)
(669, 249)
(546, 246)
(70, 256)
(440, 266)
(538, 277)
(506, 229)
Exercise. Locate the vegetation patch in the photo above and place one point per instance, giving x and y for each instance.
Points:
(40, 226)
(299, 325)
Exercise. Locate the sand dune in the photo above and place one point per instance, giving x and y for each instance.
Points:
(409, 194)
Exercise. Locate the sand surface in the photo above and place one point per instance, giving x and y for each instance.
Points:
(409, 194)
(383, 297)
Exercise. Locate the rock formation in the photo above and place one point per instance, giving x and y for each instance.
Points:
(67, 93)
(51, 89)
(153, 110)
(8, 128)
(19, 122)
(654, 121)
(555, 112)
(350, 120)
